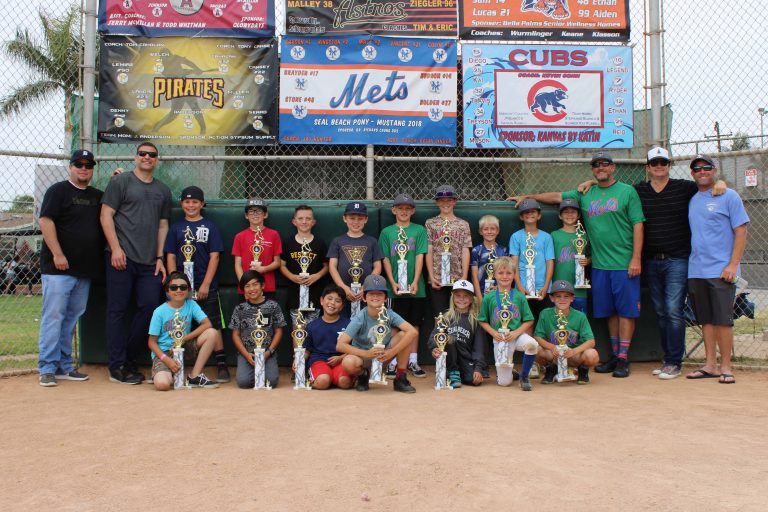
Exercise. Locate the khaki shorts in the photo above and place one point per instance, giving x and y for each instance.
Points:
(190, 353)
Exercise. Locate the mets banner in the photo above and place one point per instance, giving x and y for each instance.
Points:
(371, 90)
(532, 96)
(545, 20)
(199, 18)
(385, 17)
(176, 90)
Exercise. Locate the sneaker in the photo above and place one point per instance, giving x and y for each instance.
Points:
(550, 371)
(515, 375)
(583, 375)
(415, 370)
(402, 385)
(362, 381)
(391, 372)
(657, 371)
(73, 375)
(485, 373)
(222, 374)
(131, 367)
(525, 384)
(47, 380)
(670, 372)
(534, 373)
(607, 367)
(201, 381)
(123, 376)
(454, 379)
(622, 368)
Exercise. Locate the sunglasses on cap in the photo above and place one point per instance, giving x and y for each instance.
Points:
(151, 154)
(178, 287)
(658, 163)
(601, 163)
(699, 168)
(80, 165)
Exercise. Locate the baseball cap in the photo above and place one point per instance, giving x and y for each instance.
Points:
(528, 204)
(82, 154)
(601, 156)
(704, 157)
(374, 283)
(463, 284)
(358, 208)
(192, 192)
(256, 202)
(445, 191)
(658, 154)
(403, 199)
(569, 203)
(561, 286)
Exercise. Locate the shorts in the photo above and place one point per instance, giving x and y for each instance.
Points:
(319, 368)
(190, 352)
(712, 300)
(615, 293)
(580, 304)
(411, 309)
(211, 306)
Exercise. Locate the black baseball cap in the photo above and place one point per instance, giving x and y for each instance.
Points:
(561, 286)
(192, 192)
(569, 203)
(601, 157)
(82, 154)
(403, 199)
(356, 207)
(705, 158)
(256, 202)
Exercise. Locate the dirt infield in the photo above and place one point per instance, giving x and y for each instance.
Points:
(631, 444)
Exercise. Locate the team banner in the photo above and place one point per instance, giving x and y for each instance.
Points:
(199, 18)
(372, 90)
(385, 17)
(177, 90)
(546, 20)
(533, 96)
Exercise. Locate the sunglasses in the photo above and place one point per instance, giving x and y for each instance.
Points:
(80, 165)
(178, 287)
(150, 154)
(699, 168)
(255, 213)
(658, 163)
(595, 165)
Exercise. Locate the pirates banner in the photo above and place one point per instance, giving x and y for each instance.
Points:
(384, 17)
(175, 90)
(194, 18)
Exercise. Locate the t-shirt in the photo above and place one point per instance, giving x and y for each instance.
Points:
(461, 238)
(479, 258)
(360, 328)
(162, 322)
(518, 306)
(545, 251)
(713, 219)
(138, 209)
(344, 246)
(417, 244)
(244, 321)
(666, 230)
(75, 214)
(271, 246)
(579, 330)
(565, 258)
(291, 254)
(207, 240)
(610, 214)
(470, 344)
(322, 337)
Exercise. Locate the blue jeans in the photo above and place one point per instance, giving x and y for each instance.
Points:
(64, 300)
(668, 282)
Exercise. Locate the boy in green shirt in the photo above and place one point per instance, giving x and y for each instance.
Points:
(565, 251)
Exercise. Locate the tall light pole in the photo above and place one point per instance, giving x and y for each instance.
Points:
(761, 111)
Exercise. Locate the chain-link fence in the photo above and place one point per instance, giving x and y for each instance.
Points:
(713, 94)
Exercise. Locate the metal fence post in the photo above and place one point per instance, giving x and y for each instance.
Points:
(654, 42)
(369, 172)
(89, 75)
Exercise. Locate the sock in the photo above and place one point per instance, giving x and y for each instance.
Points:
(393, 364)
(412, 358)
(528, 360)
(615, 344)
(624, 349)
(221, 358)
(400, 371)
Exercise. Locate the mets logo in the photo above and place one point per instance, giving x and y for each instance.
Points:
(557, 9)
(435, 114)
(548, 94)
(301, 84)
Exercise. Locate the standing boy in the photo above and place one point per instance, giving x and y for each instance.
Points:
(485, 252)
(304, 220)
(565, 251)
(257, 237)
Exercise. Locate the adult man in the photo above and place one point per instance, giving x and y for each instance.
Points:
(614, 219)
(69, 259)
(134, 215)
(718, 238)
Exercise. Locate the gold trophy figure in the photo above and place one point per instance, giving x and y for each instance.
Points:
(580, 244)
(305, 260)
(176, 332)
(401, 248)
(188, 251)
(561, 340)
(355, 271)
(441, 339)
(530, 268)
(380, 332)
(501, 350)
(259, 336)
(490, 269)
(257, 248)
(445, 255)
(299, 336)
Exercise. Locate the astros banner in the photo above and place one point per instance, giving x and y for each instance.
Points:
(177, 90)
(533, 96)
(368, 90)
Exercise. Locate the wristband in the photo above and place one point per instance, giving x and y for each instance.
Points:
(163, 357)
(158, 257)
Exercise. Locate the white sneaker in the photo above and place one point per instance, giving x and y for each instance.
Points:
(657, 371)
(534, 373)
(670, 372)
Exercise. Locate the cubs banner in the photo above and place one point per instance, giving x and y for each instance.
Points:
(372, 90)
(533, 96)
(175, 90)
(198, 18)
(384, 17)
(545, 20)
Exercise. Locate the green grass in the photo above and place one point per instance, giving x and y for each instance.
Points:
(19, 324)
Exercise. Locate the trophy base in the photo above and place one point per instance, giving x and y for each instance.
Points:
(532, 297)
(443, 388)
(446, 285)
(303, 274)
(404, 293)
(307, 310)
(379, 382)
(565, 379)
(505, 365)
(302, 388)
(263, 388)
(583, 287)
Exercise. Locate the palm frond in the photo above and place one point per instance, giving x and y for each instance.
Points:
(27, 95)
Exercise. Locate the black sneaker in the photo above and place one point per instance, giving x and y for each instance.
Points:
(391, 373)
(122, 376)
(525, 384)
(73, 375)
(201, 381)
(131, 367)
(415, 370)
(485, 373)
(583, 375)
(622, 369)
(550, 371)
(362, 381)
(222, 374)
(47, 380)
(608, 366)
(402, 385)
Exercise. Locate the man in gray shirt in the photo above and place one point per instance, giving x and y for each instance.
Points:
(135, 210)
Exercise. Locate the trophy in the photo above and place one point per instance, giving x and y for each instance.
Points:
(257, 249)
(530, 267)
(441, 340)
(380, 331)
(401, 248)
(299, 336)
(445, 256)
(580, 243)
(356, 272)
(188, 250)
(176, 332)
(490, 268)
(561, 339)
(258, 337)
(305, 259)
(501, 350)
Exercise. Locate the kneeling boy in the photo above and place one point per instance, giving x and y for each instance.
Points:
(324, 361)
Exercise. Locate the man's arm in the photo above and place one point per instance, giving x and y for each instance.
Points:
(107, 219)
(637, 250)
(48, 228)
(544, 197)
(739, 244)
(162, 232)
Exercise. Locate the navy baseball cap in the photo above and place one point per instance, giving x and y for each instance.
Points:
(569, 203)
(256, 202)
(358, 208)
(601, 157)
(403, 199)
(192, 192)
(528, 204)
(705, 158)
(561, 286)
(82, 154)
(374, 283)
(445, 192)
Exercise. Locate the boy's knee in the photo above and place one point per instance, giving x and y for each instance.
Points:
(244, 381)
(322, 382)
(345, 382)
(162, 382)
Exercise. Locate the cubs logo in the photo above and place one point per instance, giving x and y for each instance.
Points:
(557, 9)
(548, 94)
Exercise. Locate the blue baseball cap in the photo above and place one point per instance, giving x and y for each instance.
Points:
(358, 208)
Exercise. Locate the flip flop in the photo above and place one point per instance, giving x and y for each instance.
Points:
(727, 378)
(702, 374)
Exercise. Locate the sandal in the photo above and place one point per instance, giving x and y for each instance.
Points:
(701, 373)
(727, 378)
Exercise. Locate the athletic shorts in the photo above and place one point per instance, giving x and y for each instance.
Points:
(190, 353)
(615, 293)
(212, 309)
(580, 304)
(319, 368)
(411, 309)
(712, 300)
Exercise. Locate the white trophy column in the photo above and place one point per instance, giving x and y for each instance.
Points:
(501, 352)
(303, 297)
(300, 373)
(178, 378)
(377, 369)
(356, 287)
(579, 274)
(259, 370)
(530, 280)
(562, 365)
(402, 276)
(189, 271)
(440, 373)
(445, 268)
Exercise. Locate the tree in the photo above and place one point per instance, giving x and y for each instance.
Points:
(22, 204)
(740, 142)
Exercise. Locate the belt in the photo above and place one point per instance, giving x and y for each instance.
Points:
(664, 256)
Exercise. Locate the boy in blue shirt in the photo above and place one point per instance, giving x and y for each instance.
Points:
(323, 360)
